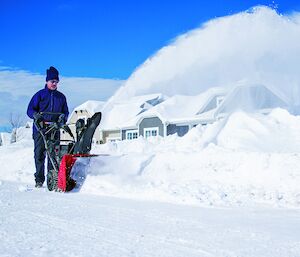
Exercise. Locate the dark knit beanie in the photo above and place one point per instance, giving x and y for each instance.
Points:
(52, 73)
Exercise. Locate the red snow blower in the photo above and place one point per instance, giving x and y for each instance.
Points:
(63, 153)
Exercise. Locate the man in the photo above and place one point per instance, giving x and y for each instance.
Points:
(44, 101)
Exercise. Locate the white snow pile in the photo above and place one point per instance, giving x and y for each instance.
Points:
(5, 138)
(242, 160)
(249, 158)
(20, 134)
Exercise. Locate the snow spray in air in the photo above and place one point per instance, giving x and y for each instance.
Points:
(258, 46)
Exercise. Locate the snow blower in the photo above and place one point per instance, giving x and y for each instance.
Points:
(63, 154)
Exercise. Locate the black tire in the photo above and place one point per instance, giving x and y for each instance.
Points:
(52, 180)
(71, 184)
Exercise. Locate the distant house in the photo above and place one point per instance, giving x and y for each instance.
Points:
(178, 114)
(121, 112)
(157, 115)
(83, 111)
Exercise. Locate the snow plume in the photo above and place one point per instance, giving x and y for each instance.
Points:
(258, 46)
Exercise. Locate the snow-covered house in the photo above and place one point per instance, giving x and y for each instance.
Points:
(83, 111)
(157, 115)
(123, 111)
(178, 114)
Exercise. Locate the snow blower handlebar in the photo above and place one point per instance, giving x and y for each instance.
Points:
(40, 124)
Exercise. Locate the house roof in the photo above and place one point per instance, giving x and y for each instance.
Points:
(90, 106)
(180, 108)
(123, 111)
(251, 97)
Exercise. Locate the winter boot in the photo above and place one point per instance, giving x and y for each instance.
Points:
(39, 184)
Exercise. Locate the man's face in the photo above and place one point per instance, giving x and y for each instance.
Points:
(52, 84)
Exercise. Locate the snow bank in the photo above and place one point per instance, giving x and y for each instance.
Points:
(21, 133)
(5, 138)
(246, 159)
(16, 159)
(277, 132)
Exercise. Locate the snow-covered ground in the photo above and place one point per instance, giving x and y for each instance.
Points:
(245, 159)
(229, 189)
(41, 223)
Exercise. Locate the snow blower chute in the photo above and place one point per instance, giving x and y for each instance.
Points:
(63, 153)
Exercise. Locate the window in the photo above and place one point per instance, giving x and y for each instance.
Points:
(151, 132)
(131, 134)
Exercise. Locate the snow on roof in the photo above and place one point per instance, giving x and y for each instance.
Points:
(178, 108)
(251, 97)
(181, 107)
(123, 111)
(90, 106)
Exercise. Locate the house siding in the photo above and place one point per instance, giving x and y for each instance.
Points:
(180, 130)
(106, 134)
(124, 134)
(126, 130)
(150, 123)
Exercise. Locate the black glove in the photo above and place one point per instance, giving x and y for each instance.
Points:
(61, 119)
(38, 117)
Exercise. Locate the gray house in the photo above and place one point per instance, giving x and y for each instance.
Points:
(122, 112)
(176, 115)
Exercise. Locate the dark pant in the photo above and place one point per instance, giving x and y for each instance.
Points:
(39, 157)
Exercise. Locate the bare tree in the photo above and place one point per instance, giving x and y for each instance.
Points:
(15, 120)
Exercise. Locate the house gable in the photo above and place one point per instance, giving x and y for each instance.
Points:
(151, 122)
(213, 103)
(250, 98)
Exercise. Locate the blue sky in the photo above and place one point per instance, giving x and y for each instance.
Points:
(105, 38)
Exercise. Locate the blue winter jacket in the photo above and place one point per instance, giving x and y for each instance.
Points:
(47, 100)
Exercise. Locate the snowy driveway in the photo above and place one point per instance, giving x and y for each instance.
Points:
(41, 223)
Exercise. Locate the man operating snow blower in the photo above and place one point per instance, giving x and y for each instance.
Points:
(46, 106)
(49, 110)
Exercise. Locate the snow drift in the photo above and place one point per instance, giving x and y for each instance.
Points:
(243, 160)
